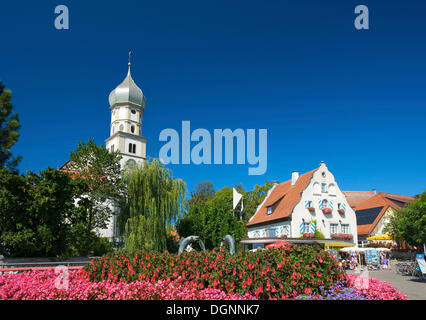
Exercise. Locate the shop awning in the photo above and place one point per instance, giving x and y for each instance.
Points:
(383, 236)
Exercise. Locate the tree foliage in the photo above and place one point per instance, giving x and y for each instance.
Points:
(152, 201)
(203, 191)
(34, 212)
(212, 220)
(9, 126)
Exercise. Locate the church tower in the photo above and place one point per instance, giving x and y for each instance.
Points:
(127, 104)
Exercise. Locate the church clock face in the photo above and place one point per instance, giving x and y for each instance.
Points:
(131, 163)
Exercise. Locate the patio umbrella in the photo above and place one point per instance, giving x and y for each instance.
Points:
(383, 236)
(278, 244)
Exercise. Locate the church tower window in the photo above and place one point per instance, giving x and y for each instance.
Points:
(132, 148)
(121, 127)
(132, 128)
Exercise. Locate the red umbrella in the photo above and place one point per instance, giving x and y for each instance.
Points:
(278, 244)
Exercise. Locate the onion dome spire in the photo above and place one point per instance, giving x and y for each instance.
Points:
(127, 91)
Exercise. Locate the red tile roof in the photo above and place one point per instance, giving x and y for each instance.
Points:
(382, 199)
(355, 198)
(283, 197)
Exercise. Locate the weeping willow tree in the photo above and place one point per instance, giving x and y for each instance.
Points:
(153, 201)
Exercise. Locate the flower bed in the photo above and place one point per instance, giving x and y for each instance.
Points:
(355, 287)
(308, 235)
(341, 236)
(374, 288)
(40, 285)
(340, 291)
(276, 273)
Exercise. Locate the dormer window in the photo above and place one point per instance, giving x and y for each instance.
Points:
(269, 210)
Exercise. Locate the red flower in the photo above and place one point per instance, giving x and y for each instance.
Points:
(307, 291)
(258, 290)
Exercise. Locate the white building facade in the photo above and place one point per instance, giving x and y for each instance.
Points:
(293, 208)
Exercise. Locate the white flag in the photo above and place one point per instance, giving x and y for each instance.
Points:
(236, 198)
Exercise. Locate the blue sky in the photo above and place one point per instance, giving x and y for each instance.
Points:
(324, 90)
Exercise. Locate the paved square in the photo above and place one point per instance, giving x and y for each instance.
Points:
(413, 287)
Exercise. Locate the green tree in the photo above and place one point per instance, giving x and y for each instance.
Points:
(220, 219)
(9, 126)
(203, 191)
(35, 211)
(213, 220)
(409, 223)
(100, 170)
(152, 201)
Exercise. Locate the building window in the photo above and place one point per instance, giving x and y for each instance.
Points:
(306, 227)
(132, 128)
(323, 187)
(269, 210)
(132, 148)
(345, 228)
(133, 111)
(323, 174)
(324, 204)
(112, 148)
(334, 228)
(270, 233)
(121, 127)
